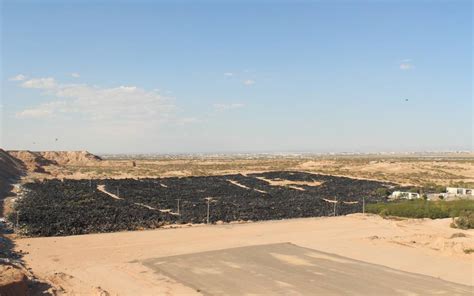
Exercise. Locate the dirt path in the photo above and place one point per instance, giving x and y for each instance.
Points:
(245, 187)
(101, 188)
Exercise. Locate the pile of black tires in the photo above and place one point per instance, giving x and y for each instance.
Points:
(70, 207)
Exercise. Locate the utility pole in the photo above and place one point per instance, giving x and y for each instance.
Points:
(118, 192)
(335, 203)
(178, 204)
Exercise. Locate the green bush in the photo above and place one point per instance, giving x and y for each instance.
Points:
(423, 208)
(383, 213)
(382, 192)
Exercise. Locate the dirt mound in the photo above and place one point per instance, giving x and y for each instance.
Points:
(71, 157)
(33, 161)
(10, 170)
(36, 161)
(13, 281)
(9, 166)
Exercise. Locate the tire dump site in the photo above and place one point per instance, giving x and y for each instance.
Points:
(71, 207)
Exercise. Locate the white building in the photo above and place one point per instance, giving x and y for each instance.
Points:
(404, 195)
(459, 191)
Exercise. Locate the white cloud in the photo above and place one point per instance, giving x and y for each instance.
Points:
(229, 74)
(34, 113)
(188, 120)
(225, 107)
(19, 77)
(122, 104)
(249, 82)
(40, 83)
(75, 75)
(406, 64)
(44, 110)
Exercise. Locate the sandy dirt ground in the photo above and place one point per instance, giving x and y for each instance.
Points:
(115, 263)
(442, 169)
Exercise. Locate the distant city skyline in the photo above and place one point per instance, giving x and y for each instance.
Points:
(236, 76)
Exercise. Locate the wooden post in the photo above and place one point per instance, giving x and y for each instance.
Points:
(208, 206)
(208, 203)
(363, 204)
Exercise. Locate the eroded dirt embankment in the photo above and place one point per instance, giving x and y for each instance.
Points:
(35, 161)
(13, 279)
(11, 169)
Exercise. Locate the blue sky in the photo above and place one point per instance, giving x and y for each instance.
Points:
(236, 76)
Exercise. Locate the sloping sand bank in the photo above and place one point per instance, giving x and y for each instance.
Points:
(113, 262)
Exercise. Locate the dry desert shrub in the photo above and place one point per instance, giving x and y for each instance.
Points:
(464, 221)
